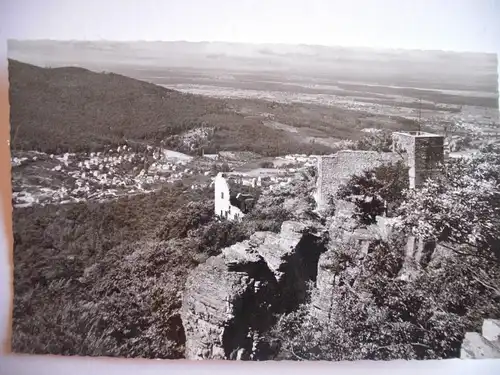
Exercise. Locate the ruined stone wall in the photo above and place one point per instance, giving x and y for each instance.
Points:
(322, 305)
(424, 151)
(334, 170)
(404, 143)
(429, 154)
(222, 205)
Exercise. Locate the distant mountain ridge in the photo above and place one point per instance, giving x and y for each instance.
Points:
(454, 69)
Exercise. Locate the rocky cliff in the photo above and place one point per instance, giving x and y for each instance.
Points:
(233, 298)
(231, 302)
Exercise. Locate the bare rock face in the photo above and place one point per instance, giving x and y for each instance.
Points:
(230, 300)
(322, 297)
(213, 296)
(485, 345)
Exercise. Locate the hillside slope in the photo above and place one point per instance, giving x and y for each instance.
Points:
(77, 109)
(69, 109)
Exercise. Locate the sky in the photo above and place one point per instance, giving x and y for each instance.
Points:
(457, 25)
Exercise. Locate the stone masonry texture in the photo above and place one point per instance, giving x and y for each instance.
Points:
(336, 169)
(425, 152)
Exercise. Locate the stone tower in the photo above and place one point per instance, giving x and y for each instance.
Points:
(425, 152)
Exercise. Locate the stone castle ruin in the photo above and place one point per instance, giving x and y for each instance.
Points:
(236, 192)
(422, 152)
(425, 152)
(232, 300)
(234, 195)
(334, 170)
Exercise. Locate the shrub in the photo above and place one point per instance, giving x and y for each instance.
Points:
(381, 141)
(376, 192)
(461, 206)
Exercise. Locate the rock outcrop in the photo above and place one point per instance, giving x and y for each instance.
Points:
(232, 299)
(485, 345)
(322, 297)
(358, 242)
(331, 266)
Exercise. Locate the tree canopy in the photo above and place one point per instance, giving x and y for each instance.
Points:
(376, 192)
(461, 206)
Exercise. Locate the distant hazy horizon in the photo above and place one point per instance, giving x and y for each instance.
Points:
(270, 44)
(452, 25)
(285, 58)
(465, 27)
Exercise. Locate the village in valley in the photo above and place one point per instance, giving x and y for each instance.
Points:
(126, 170)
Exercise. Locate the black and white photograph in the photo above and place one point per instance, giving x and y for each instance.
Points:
(254, 200)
